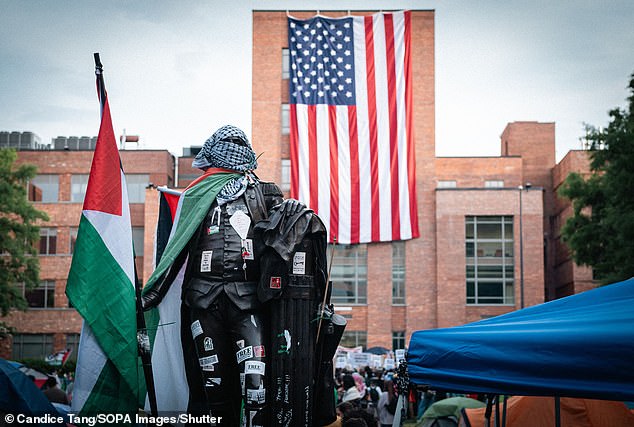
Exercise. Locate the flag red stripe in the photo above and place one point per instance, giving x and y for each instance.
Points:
(104, 191)
(374, 159)
(393, 125)
(334, 172)
(294, 137)
(409, 107)
(355, 197)
(313, 163)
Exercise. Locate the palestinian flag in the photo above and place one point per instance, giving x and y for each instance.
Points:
(164, 322)
(101, 284)
(168, 203)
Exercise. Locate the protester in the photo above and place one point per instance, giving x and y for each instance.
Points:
(55, 394)
(351, 392)
(386, 406)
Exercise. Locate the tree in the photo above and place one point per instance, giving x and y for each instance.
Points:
(600, 233)
(19, 233)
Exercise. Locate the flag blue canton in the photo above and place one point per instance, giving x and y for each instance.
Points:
(322, 61)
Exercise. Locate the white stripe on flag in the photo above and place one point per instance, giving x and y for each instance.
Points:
(90, 362)
(323, 162)
(303, 154)
(344, 174)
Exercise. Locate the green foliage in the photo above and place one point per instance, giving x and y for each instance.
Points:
(18, 233)
(600, 233)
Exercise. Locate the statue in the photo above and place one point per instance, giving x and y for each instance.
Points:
(234, 262)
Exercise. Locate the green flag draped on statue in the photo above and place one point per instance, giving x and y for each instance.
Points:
(101, 284)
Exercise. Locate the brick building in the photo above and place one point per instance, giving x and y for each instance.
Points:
(486, 247)
(489, 226)
(58, 189)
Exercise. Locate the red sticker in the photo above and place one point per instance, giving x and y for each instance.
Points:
(258, 351)
(275, 283)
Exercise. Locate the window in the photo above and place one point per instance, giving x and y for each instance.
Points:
(398, 340)
(285, 185)
(494, 184)
(286, 119)
(42, 296)
(349, 274)
(489, 259)
(398, 273)
(78, 184)
(354, 338)
(446, 184)
(285, 64)
(137, 183)
(32, 346)
(73, 238)
(44, 188)
(48, 241)
(138, 239)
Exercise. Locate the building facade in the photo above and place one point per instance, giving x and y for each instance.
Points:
(50, 324)
(489, 226)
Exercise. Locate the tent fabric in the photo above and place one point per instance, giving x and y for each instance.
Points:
(523, 411)
(18, 394)
(578, 346)
(451, 407)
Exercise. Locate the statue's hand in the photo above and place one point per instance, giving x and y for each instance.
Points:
(292, 207)
(150, 300)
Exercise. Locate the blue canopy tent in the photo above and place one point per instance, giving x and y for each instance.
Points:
(578, 346)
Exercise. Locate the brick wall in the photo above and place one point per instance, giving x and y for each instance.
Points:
(452, 205)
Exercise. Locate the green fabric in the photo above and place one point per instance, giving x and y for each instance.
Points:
(451, 407)
(112, 395)
(195, 205)
(102, 293)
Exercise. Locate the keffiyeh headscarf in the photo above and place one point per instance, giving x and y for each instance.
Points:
(228, 148)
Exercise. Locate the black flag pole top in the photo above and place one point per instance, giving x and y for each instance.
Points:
(101, 87)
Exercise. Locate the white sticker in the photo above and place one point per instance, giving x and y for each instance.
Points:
(208, 343)
(196, 329)
(247, 249)
(256, 396)
(244, 354)
(212, 382)
(254, 367)
(299, 263)
(242, 382)
(240, 343)
(207, 363)
(287, 336)
(241, 223)
(205, 262)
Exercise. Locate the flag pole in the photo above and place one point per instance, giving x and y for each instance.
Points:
(143, 339)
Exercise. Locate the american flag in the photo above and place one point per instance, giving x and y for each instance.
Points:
(352, 146)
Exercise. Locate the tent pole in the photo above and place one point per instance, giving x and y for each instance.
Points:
(488, 410)
(557, 412)
(505, 397)
(497, 411)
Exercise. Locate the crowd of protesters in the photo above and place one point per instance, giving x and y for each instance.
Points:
(365, 397)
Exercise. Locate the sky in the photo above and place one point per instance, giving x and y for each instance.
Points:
(175, 71)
